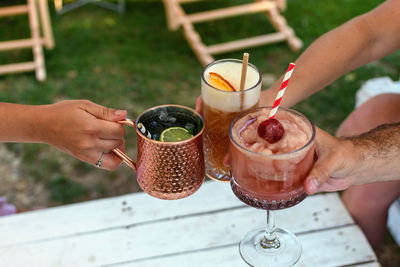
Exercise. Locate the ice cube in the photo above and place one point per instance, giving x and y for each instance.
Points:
(190, 127)
(163, 116)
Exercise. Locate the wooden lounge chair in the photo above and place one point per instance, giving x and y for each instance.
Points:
(177, 17)
(38, 13)
(61, 8)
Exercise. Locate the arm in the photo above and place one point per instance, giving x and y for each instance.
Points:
(78, 127)
(371, 157)
(359, 41)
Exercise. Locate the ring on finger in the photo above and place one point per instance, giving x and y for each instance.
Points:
(100, 161)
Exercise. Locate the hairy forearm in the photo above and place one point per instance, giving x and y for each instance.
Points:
(355, 43)
(378, 154)
(19, 123)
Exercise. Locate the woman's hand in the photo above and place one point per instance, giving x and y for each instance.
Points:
(83, 129)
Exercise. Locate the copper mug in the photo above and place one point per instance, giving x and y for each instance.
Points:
(168, 170)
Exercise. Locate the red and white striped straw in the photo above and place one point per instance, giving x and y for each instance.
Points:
(279, 96)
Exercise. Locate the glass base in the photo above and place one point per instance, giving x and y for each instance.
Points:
(285, 252)
(218, 175)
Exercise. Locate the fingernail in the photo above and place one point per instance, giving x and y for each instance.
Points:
(314, 184)
(119, 112)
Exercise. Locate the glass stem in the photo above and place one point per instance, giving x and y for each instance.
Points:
(270, 240)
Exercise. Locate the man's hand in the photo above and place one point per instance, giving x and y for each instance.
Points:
(371, 157)
(333, 170)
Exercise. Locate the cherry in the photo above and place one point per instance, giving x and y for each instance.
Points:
(271, 130)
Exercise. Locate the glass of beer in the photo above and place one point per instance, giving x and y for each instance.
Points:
(270, 176)
(222, 101)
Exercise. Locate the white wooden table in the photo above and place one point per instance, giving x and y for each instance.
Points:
(201, 230)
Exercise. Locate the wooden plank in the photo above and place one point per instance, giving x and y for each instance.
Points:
(230, 12)
(217, 229)
(195, 42)
(246, 43)
(186, 1)
(281, 4)
(113, 212)
(191, 36)
(140, 208)
(280, 24)
(370, 264)
(125, 247)
(169, 7)
(335, 247)
(58, 5)
(17, 67)
(48, 38)
(13, 10)
(16, 44)
(37, 49)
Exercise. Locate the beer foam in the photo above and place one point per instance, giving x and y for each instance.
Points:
(231, 101)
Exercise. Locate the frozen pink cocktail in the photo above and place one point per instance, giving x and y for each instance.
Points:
(271, 176)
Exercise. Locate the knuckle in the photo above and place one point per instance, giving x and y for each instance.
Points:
(85, 102)
(323, 172)
(90, 130)
(85, 145)
(107, 112)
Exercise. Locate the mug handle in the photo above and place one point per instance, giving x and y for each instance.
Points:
(127, 160)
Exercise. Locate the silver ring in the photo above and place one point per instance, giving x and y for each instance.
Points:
(100, 161)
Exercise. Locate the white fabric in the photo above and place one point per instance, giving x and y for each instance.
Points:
(374, 87)
(394, 221)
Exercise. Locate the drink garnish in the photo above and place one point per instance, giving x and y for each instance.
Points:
(219, 82)
(245, 62)
(175, 134)
(271, 130)
(144, 130)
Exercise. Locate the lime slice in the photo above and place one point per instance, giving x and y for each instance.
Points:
(175, 134)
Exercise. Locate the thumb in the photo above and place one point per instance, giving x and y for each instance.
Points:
(320, 173)
(325, 165)
(105, 113)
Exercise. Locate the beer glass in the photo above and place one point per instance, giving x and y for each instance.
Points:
(220, 107)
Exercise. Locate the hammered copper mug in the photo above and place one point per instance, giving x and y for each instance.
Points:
(168, 170)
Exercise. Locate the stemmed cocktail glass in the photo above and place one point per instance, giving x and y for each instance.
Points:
(270, 177)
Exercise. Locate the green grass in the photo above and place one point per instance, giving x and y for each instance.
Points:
(131, 61)
(64, 190)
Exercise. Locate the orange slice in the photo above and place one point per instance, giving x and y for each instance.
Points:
(219, 82)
